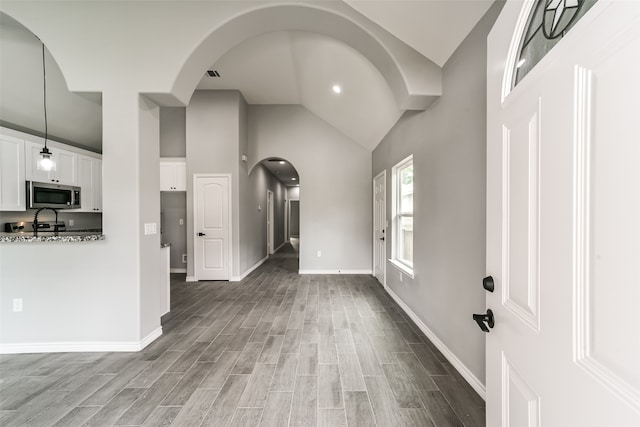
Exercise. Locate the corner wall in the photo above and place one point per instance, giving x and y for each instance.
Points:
(212, 140)
(448, 143)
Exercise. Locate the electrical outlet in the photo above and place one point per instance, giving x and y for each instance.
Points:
(319, 254)
(184, 258)
(181, 221)
(71, 223)
(17, 305)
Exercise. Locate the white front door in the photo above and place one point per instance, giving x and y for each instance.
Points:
(563, 223)
(379, 225)
(212, 225)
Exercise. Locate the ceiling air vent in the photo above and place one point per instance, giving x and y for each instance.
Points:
(213, 73)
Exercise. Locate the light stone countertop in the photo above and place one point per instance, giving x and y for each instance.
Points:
(87, 236)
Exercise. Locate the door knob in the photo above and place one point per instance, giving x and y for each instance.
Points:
(488, 284)
(201, 234)
(482, 318)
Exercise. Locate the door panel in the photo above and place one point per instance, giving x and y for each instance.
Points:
(214, 254)
(521, 144)
(562, 225)
(212, 227)
(213, 214)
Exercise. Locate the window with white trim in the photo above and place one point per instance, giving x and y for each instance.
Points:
(402, 209)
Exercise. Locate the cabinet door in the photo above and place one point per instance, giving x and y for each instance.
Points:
(96, 185)
(33, 171)
(181, 176)
(65, 167)
(85, 182)
(167, 176)
(12, 174)
(90, 183)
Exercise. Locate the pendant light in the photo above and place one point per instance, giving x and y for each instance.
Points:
(45, 162)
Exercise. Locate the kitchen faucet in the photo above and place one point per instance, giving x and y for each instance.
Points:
(35, 221)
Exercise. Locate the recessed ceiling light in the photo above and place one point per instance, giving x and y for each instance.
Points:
(293, 179)
(337, 89)
(282, 162)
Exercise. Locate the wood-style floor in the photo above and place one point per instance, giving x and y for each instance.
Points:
(276, 349)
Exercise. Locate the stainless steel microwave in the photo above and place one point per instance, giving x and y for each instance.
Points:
(46, 195)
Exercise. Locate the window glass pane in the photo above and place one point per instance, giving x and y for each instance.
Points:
(406, 189)
(405, 240)
(548, 23)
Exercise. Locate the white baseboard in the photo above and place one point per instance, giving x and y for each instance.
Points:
(334, 271)
(177, 270)
(278, 248)
(190, 279)
(249, 270)
(81, 347)
(451, 357)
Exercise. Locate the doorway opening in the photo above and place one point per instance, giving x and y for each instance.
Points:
(280, 184)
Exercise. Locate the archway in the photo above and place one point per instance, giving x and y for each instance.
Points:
(279, 181)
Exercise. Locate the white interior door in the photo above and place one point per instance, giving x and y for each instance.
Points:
(269, 222)
(212, 225)
(379, 226)
(563, 210)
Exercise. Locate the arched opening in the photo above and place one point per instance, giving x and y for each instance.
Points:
(414, 80)
(278, 181)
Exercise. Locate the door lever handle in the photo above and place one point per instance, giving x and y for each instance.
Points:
(482, 318)
(381, 238)
(201, 234)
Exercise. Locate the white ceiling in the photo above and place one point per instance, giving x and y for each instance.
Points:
(295, 67)
(284, 172)
(288, 67)
(435, 28)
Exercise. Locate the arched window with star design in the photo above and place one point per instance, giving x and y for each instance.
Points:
(548, 22)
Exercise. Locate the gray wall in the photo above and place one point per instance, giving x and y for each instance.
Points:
(173, 138)
(334, 218)
(294, 219)
(213, 133)
(448, 145)
(81, 220)
(254, 226)
(173, 208)
(293, 193)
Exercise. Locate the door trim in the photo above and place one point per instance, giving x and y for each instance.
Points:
(373, 252)
(195, 210)
(270, 228)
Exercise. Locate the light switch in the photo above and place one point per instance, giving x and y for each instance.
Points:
(150, 228)
(17, 305)
(181, 221)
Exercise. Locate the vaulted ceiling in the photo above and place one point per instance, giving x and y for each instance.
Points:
(293, 67)
(285, 67)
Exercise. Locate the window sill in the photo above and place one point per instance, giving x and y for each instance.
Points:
(403, 268)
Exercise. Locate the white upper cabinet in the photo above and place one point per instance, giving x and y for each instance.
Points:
(64, 169)
(173, 174)
(12, 174)
(90, 183)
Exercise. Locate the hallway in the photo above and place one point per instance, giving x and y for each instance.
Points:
(276, 349)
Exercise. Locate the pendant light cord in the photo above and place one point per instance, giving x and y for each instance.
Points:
(44, 79)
